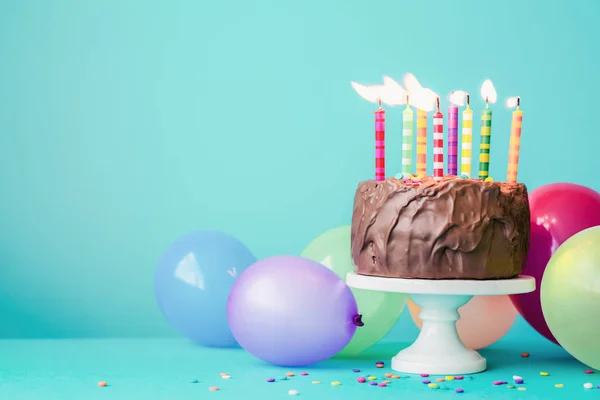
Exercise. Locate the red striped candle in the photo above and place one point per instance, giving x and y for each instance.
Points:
(380, 144)
(438, 143)
(453, 139)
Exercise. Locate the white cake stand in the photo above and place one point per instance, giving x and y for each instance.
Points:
(438, 350)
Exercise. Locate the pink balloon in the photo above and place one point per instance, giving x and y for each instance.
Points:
(483, 320)
(558, 211)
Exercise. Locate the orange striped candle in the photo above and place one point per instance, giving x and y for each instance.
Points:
(421, 142)
(515, 140)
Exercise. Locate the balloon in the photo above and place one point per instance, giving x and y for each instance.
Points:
(291, 311)
(558, 211)
(192, 281)
(483, 320)
(380, 310)
(570, 296)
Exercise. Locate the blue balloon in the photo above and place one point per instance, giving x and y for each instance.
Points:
(192, 282)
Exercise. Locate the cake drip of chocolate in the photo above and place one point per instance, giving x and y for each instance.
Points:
(453, 228)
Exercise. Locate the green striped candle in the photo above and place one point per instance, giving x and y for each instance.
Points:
(407, 139)
(484, 143)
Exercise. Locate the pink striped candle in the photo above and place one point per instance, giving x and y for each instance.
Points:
(453, 139)
(438, 143)
(380, 144)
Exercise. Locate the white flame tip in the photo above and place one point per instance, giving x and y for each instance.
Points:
(512, 102)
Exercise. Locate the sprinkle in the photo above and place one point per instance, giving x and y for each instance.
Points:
(515, 377)
(510, 386)
(356, 370)
(290, 374)
(373, 383)
(449, 378)
(395, 376)
(388, 375)
(459, 377)
(544, 374)
(316, 382)
(382, 384)
(489, 179)
(304, 373)
(519, 381)
(386, 382)
(379, 365)
(420, 176)
(587, 385)
(372, 378)
(270, 379)
(434, 386)
(194, 381)
(524, 354)
(292, 392)
(464, 176)
(559, 385)
(499, 383)
(223, 373)
(588, 371)
(335, 383)
(439, 379)
(399, 176)
(424, 375)
(522, 389)
(283, 378)
(425, 381)
(213, 388)
(226, 376)
(361, 379)
(459, 390)
(104, 384)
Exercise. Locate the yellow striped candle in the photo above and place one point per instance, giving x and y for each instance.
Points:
(515, 139)
(421, 142)
(467, 141)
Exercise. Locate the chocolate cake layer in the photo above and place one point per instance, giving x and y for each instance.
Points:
(450, 229)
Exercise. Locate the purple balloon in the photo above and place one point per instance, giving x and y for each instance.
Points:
(291, 311)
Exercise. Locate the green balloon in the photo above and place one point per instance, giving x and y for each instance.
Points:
(570, 296)
(380, 310)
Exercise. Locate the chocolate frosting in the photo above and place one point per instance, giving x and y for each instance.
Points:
(454, 228)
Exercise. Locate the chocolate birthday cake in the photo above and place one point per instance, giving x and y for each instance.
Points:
(452, 228)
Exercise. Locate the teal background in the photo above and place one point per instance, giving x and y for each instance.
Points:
(125, 124)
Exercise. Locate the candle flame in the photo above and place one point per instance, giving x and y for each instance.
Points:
(458, 97)
(512, 102)
(488, 92)
(396, 94)
(411, 83)
(372, 93)
(423, 98)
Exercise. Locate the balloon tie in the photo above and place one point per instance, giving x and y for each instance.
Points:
(357, 320)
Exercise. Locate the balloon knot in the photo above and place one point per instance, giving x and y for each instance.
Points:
(357, 320)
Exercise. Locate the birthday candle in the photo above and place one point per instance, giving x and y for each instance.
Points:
(484, 143)
(515, 140)
(380, 143)
(467, 140)
(438, 143)
(489, 94)
(421, 142)
(453, 139)
(407, 135)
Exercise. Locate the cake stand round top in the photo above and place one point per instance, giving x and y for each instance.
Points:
(521, 284)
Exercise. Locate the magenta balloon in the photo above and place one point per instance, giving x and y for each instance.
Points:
(291, 311)
(558, 211)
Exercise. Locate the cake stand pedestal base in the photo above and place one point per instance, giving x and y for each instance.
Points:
(438, 350)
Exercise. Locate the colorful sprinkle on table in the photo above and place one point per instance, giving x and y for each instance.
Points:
(372, 383)
(386, 382)
(449, 378)
(270, 379)
(283, 378)
(387, 375)
(439, 379)
(213, 388)
(226, 376)
(316, 382)
(459, 377)
(544, 373)
(223, 373)
(519, 381)
(522, 389)
(382, 384)
(424, 375)
(426, 381)
(335, 383)
(379, 364)
(588, 371)
(499, 383)
(434, 386)
(524, 354)
(510, 386)
(356, 370)
(515, 377)
(459, 390)
(559, 385)
(194, 381)
(361, 379)
(292, 392)
(587, 385)
(372, 378)
(104, 384)
(303, 373)
(290, 374)
(395, 376)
